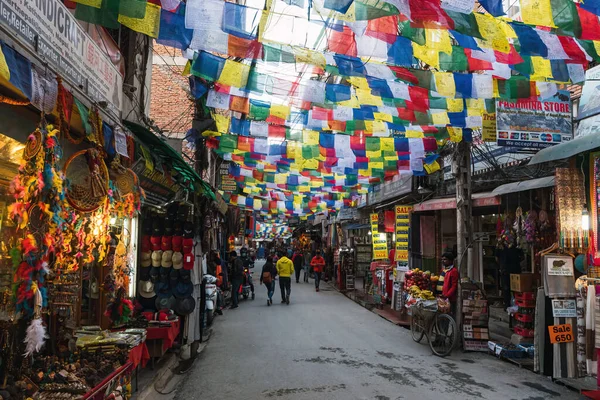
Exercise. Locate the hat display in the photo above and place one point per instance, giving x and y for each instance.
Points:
(174, 277)
(145, 274)
(185, 306)
(185, 275)
(188, 261)
(177, 260)
(146, 243)
(146, 289)
(157, 229)
(154, 273)
(155, 241)
(183, 289)
(188, 245)
(178, 228)
(167, 259)
(166, 302)
(162, 288)
(177, 243)
(168, 226)
(146, 259)
(166, 243)
(156, 258)
(188, 230)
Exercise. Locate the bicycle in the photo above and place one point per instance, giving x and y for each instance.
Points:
(439, 328)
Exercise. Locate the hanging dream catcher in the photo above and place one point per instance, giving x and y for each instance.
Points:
(33, 145)
(87, 180)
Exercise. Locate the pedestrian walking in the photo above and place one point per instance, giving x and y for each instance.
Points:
(298, 260)
(285, 269)
(307, 260)
(237, 277)
(269, 272)
(318, 263)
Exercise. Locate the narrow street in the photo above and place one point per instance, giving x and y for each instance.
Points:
(325, 346)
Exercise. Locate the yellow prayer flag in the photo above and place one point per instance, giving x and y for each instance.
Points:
(438, 39)
(444, 84)
(187, 70)
(379, 127)
(367, 98)
(376, 165)
(310, 57)
(476, 104)
(359, 82)
(455, 134)
(222, 122)
(310, 164)
(352, 102)
(368, 127)
(431, 168)
(537, 12)
(247, 190)
(280, 111)
(412, 134)
(492, 32)
(383, 117)
(373, 153)
(427, 55)
(310, 137)
(365, 172)
(496, 91)
(211, 133)
(454, 105)
(440, 118)
(281, 178)
(149, 25)
(387, 144)
(541, 69)
(257, 204)
(234, 74)
(4, 70)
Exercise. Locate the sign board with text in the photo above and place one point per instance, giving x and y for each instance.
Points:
(534, 124)
(560, 266)
(48, 29)
(380, 251)
(402, 232)
(564, 308)
(561, 333)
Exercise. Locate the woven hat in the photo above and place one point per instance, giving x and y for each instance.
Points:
(185, 306)
(146, 289)
(177, 260)
(157, 258)
(183, 289)
(167, 259)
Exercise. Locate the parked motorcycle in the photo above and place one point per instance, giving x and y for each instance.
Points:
(214, 299)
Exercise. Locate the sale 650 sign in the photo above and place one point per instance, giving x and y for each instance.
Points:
(561, 333)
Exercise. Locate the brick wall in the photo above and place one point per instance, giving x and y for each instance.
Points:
(170, 105)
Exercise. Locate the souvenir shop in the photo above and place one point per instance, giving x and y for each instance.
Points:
(71, 191)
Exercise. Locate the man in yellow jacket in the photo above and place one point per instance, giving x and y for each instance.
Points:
(285, 270)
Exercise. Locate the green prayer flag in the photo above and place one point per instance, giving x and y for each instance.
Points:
(465, 23)
(133, 8)
(437, 103)
(372, 144)
(83, 113)
(457, 61)
(566, 17)
(259, 113)
(416, 35)
(228, 143)
(107, 15)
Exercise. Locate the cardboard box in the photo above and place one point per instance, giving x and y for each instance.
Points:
(521, 282)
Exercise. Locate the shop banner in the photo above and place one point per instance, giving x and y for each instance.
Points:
(589, 102)
(160, 188)
(380, 251)
(560, 266)
(488, 132)
(402, 232)
(226, 182)
(534, 124)
(564, 309)
(48, 29)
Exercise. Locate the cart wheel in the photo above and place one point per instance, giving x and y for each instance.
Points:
(443, 335)
(417, 329)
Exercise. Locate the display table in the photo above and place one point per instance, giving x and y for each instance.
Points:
(160, 339)
(108, 385)
(139, 355)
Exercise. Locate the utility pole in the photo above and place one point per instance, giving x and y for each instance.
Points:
(461, 168)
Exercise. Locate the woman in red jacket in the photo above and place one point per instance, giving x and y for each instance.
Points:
(451, 277)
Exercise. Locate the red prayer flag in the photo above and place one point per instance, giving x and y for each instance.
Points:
(385, 28)
(429, 14)
(342, 42)
(590, 26)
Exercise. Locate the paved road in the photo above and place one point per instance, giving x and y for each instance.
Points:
(324, 346)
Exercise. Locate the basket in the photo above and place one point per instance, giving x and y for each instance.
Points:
(527, 333)
(524, 317)
(525, 296)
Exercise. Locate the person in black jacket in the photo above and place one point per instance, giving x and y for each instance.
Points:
(267, 276)
(298, 260)
(237, 277)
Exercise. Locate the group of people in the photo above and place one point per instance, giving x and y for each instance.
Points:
(285, 266)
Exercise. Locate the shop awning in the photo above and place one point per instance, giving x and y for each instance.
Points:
(567, 149)
(356, 226)
(530, 184)
(479, 200)
(170, 156)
